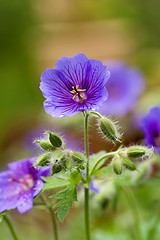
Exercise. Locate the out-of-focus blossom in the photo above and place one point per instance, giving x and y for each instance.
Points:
(77, 84)
(20, 184)
(151, 128)
(124, 87)
(92, 186)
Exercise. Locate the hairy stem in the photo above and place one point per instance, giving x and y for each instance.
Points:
(54, 223)
(86, 190)
(10, 227)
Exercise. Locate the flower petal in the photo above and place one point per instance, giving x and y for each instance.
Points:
(25, 203)
(75, 69)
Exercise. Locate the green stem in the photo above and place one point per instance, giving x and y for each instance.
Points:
(87, 213)
(86, 189)
(135, 211)
(49, 208)
(86, 145)
(104, 156)
(96, 113)
(10, 227)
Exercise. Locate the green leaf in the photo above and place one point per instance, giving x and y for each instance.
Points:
(94, 158)
(54, 182)
(66, 196)
(1, 215)
(103, 171)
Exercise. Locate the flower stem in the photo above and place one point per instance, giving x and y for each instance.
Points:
(96, 113)
(10, 227)
(86, 190)
(135, 212)
(49, 208)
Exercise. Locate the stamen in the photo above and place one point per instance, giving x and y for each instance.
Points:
(76, 91)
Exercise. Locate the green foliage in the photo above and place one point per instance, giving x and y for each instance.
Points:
(103, 171)
(94, 158)
(1, 215)
(54, 182)
(66, 196)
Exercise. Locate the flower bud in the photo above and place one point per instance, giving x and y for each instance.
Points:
(69, 163)
(117, 166)
(56, 168)
(78, 157)
(45, 145)
(108, 129)
(43, 160)
(138, 151)
(55, 140)
(129, 164)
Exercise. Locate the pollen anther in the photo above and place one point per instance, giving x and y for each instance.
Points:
(76, 91)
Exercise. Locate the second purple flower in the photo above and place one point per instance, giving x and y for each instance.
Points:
(77, 84)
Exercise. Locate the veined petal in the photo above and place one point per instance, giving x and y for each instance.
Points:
(75, 69)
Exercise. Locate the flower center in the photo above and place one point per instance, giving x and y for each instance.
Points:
(25, 183)
(78, 94)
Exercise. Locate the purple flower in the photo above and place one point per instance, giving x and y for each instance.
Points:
(20, 184)
(124, 87)
(92, 186)
(151, 128)
(77, 84)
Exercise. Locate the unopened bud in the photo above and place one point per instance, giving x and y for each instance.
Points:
(68, 163)
(108, 129)
(129, 164)
(43, 160)
(117, 166)
(59, 155)
(55, 140)
(139, 151)
(56, 168)
(45, 145)
(78, 157)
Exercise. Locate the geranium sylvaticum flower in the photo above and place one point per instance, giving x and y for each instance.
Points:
(124, 88)
(20, 184)
(76, 84)
(151, 128)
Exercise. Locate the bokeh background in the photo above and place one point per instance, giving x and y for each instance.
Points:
(34, 34)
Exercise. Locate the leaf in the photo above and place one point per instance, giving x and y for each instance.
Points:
(103, 171)
(54, 182)
(1, 215)
(94, 158)
(66, 196)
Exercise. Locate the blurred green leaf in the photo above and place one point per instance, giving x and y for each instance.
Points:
(94, 158)
(53, 182)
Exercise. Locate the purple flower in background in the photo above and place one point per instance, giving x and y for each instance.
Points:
(92, 186)
(124, 87)
(151, 128)
(20, 184)
(77, 84)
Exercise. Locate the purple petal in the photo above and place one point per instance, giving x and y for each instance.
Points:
(124, 88)
(151, 128)
(75, 69)
(25, 203)
(37, 187)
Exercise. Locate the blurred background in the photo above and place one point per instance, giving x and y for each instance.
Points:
(34, 34)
